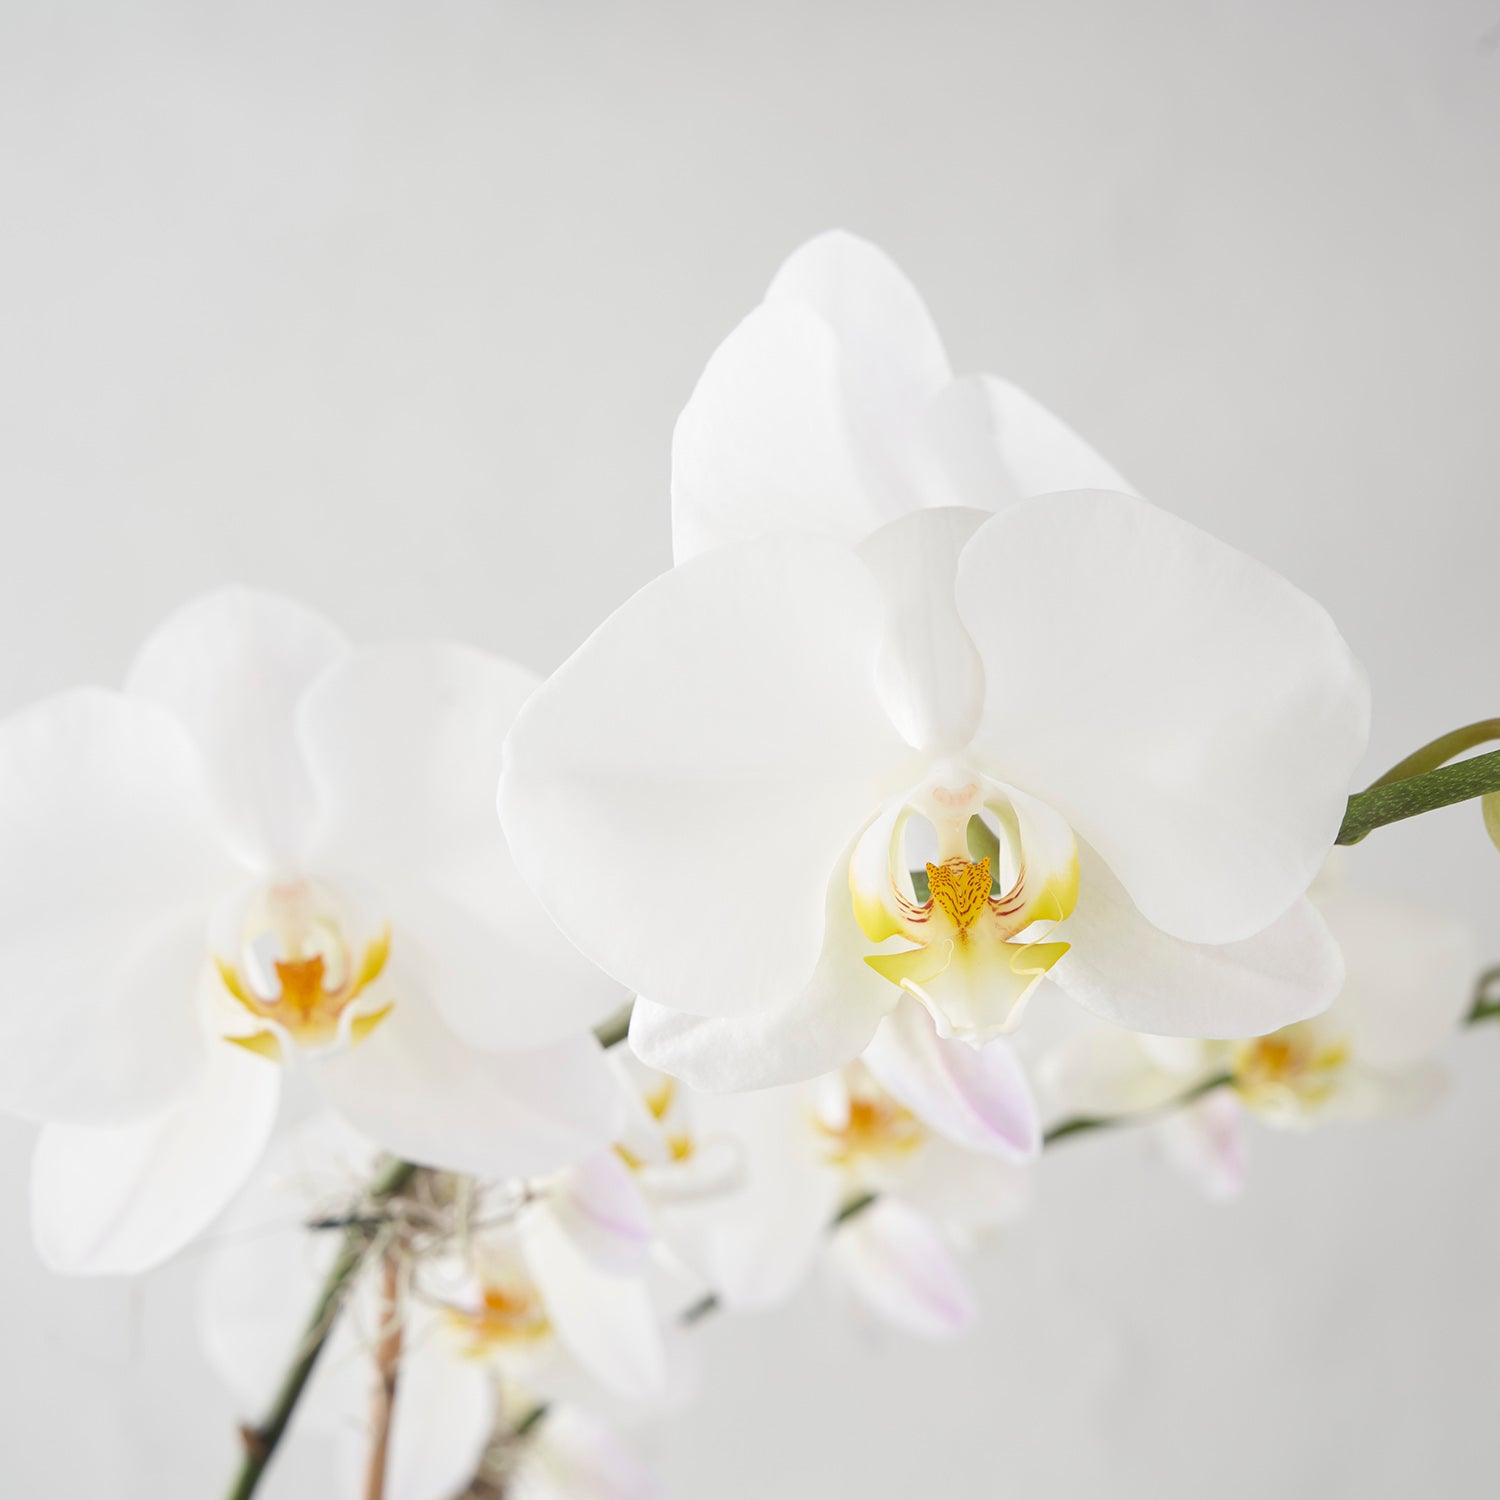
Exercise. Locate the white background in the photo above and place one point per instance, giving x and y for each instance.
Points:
(392, 308)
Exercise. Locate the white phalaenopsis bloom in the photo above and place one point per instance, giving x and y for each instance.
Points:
(1372, 1053)
(498, 1314)
(1120, 749)
(267, 849)
(747, 1189)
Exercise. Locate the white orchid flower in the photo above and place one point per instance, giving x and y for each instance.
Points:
(1373, 1053)
(936, 742)
(924, 1129)
(494, 1322)
(270, 848)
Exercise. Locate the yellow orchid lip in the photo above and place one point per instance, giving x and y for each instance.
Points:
(974, 964)
(1291, 1073)
(308, 991)
(507, 1316)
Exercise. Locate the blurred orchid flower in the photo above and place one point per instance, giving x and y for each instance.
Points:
(893, 730)
(1373, 1053)
(495, 1320)
(270, 848)
(929, 1129)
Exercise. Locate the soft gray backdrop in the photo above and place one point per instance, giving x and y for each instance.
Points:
(392, 307)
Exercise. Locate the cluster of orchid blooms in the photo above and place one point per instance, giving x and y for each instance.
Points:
(934, 729)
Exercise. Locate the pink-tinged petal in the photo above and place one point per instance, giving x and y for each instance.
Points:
(681, 791)
(994, 445)
(978, 1097)
(419, 1092)
(1409, 977)
(898, 1265)
(1191, 714)
(404, 747)
(120, 1199)
(231, 667)
(1209, 1144)
(605, 1320)
(108, 861)
(600, 1205)
(1107, 1071)
(573, 1457)
(828, 1023)
(1126, 970)
(929, 672)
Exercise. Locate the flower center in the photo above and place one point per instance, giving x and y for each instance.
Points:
(509, 1314)
(296, 974)
(979, 915)
(872, 1130)
(1290, 1073)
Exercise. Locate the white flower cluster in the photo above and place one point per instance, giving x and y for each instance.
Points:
(935, 728)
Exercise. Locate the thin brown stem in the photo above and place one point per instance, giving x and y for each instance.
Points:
(387, 1372)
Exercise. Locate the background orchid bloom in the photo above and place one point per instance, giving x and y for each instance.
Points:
(865, 743)
(271, 849)
(1373, 1053)
(774, 1167)
(486, 1323)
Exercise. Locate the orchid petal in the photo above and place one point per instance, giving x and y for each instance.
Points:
(1129, 972)
(417, 1090)
(231, 667)
(120, 1199)
(708, 754)
(1190, 713)
(896, 1263)
(404, 746)
(600, 1205)
(1208, 1143)
(605, 1320)
(106, 852)
(978, 1097)
(573, 1457)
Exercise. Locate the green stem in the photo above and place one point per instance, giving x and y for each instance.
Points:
(1486, 1004)
(1390, 801)
(1080, 1124)
(261, 1441)
(1440, 751)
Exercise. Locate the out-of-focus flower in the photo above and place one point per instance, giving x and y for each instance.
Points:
(890, 730)
(1372, 1053)
(747, 1189)
(272, 848)
(498, 1315)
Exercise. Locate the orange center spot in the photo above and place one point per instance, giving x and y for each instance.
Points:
(960, 888)
(876, 1126)
(507, 1315)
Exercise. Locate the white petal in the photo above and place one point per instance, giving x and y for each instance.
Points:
(967, 1190)
(441, 1423)
(1410, 976)
(265, 1268)
(1107, 1071)
(419, 1092)
(681, 791)
(1131, 973)
(231, 666)
(764, 443)
(600, 1205)
(977, 1097)
(930, 674)
(605, 1320)
(758, 1243)
(898, 1265)
(572, 1457)
(404, 746)
(1193, 716)
(827, 1024)
(108, 859)
(995, 445)
(1208, 1144)
(117, 1200)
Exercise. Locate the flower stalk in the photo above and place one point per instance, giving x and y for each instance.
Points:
(262, 1440)
(1424, 782)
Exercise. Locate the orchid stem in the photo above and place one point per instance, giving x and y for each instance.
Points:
(262, 1441)
(1080, 1124)
(1424, 781)
(387, 1371)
